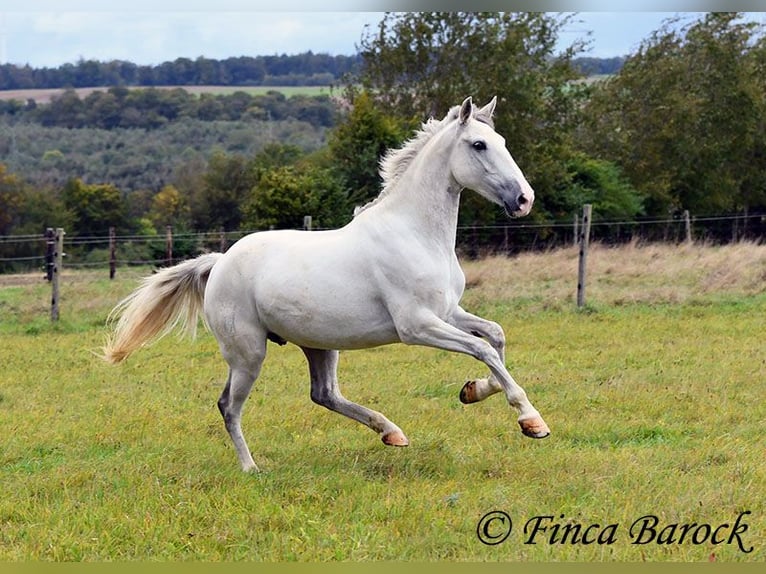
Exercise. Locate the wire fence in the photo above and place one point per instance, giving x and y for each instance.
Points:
(28, 253)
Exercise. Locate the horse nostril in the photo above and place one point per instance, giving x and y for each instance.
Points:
(522, 200)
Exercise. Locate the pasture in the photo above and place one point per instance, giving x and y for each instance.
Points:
(654, 395)
(44, 95)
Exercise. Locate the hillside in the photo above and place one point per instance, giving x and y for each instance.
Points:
(138, 138)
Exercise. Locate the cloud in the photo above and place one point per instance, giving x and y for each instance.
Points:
(54, 38)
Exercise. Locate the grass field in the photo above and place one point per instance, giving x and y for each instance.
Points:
(44, 95)
(654, 394)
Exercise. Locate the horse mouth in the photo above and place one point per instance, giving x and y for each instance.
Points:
(514, 210)
(520, 204)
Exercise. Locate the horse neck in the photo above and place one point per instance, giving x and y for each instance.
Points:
(428, 196)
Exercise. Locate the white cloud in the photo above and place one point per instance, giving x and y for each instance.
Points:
(55, 38)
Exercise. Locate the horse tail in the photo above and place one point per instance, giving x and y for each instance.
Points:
(171, 297)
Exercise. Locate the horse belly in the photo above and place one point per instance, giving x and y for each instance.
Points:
(330, 319)
(321, 298)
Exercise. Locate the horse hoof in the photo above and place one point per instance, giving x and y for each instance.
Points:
(468, 393)
(395, 438)
(534, 427)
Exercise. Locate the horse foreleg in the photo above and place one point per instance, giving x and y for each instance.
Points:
(323, 366)
(425, 328)
(479, 389)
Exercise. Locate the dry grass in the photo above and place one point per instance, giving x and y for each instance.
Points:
(635, 273)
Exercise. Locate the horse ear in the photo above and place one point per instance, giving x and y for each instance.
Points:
(466, 109)
(488, 110)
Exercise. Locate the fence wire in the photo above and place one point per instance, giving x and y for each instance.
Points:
(26, 253)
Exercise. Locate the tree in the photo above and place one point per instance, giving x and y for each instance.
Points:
(24, 211)
(94, 208)
(169, 207)
(357, 144)
(684, 117)
(601, 184)
(422, 63)
(274, 155)
(65, 109)
(284, 195)
(11, 198)
(227, 183)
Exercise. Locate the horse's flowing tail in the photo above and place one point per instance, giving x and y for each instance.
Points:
(171, 297)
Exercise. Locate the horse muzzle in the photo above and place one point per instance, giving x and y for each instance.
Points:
(520, 206)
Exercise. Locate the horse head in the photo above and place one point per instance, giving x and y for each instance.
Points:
(481, 162)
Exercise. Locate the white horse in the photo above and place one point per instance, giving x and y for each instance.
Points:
(391, 275)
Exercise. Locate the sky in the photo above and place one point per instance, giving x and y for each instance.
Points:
(51, 33)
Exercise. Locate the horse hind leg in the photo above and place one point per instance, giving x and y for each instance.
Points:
(242, 376)
(230, 404)
(325, 391)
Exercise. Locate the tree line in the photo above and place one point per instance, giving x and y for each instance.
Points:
(682, 126)
(306, 69)
(151, 108)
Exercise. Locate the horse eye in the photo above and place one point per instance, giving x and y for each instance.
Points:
(479, 145)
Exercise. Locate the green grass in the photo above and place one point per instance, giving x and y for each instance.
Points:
(655, 408)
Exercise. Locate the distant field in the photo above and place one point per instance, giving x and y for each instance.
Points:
(654, 395)
(43, 96)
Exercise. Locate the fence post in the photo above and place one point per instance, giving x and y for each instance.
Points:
(688, 226)
(112, 252)
(169, 245)
(222, 240)
(50, 249)
(576, 236)
(584, 242)
(307, 222)
(58, 264)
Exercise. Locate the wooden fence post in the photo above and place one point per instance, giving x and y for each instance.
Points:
(169, 245)
(584, 242)
(688, 226)
(222, 240)
(307, 220)
(58, 256)
(576, 230)
(112, 252)
(50, 249)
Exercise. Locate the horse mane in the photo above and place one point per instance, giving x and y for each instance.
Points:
(396, 161)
